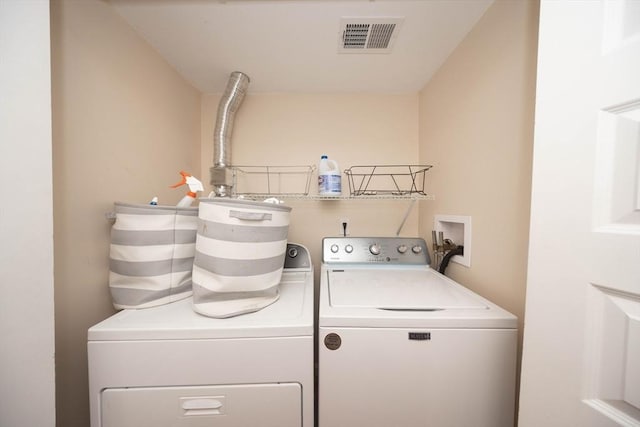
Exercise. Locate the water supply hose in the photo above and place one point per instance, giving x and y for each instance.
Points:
(458, 250)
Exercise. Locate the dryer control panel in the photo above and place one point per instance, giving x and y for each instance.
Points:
(297, 256)
(375, 250)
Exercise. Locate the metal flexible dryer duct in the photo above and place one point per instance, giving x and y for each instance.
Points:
(220, 177)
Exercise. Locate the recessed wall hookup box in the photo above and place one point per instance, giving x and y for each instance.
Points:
(458, 229)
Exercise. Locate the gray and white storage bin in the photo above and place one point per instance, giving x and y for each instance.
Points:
(151, 254)
(240, 252)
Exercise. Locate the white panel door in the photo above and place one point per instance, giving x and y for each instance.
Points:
(581, 357)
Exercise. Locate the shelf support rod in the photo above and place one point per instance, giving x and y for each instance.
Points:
(406, 215)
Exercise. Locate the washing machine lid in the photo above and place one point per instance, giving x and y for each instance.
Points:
(398, 289)
(291, 315)
(406, 297)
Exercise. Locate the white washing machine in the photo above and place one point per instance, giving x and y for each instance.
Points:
(168, 366)
(402, 345)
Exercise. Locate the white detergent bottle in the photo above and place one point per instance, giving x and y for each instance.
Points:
(329, 177)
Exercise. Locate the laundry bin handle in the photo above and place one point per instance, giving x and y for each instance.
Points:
(250, 216)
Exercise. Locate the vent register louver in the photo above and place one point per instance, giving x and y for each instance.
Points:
(368, 35)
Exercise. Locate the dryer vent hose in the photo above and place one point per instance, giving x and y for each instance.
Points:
(221, 180)
(459, 250)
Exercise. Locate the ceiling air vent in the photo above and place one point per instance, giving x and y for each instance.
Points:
(368, 35)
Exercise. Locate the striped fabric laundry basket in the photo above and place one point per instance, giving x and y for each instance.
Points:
(240, 252)
(151, 254)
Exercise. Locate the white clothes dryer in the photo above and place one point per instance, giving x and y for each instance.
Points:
(168, 366)
(402, 345)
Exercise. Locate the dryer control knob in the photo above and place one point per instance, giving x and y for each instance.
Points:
(402, 249)
(374, 248)
(416, 249)
(292, 252)
(334, 248)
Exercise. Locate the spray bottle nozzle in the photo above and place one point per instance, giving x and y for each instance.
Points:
(194, 186)
(193, 183)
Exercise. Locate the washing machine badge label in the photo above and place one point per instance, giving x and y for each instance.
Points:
(332, 341)
(420, 336)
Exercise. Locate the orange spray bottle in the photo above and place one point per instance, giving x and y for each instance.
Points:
(194, 186)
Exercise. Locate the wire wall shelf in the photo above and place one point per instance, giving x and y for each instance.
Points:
(389, 180)
(372, 182)
(271, 181)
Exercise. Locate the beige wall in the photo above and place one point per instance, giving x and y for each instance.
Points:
(125, 123)
(476, 127)
(296, 129)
